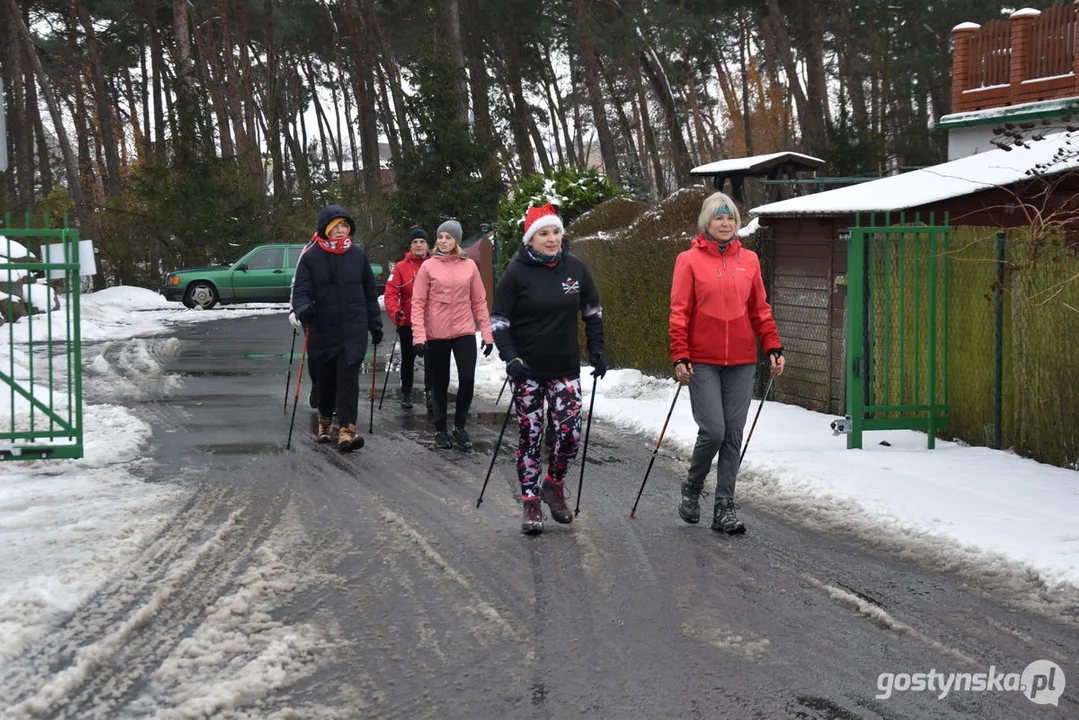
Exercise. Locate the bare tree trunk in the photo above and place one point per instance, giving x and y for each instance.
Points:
(353, 154)
(21, 160)
(591, 72)
(451, 21)
(157, 70)
(272, 108)
(650, 136)
(146, 150)
(365, 102)
(102, 100)
(74, 183)
(657, 76)
(387, 118)
(389, 61)
(537, 138)
(558, 108)
(743, 56)
(232, 14)
(623, 122)
(215, 85)
(574, 78)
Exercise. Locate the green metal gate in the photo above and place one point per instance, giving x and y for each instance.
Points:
(897, 326)
(41, 360)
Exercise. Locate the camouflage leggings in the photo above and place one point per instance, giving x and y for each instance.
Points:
(563, 398)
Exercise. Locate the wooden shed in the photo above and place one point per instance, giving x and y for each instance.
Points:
(992, 189)
(773, 166)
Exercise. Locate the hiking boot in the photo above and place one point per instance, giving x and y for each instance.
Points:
(461, 438)
(406, 398)
(443, 441)
(690, 508)
(348, 440)
(725, 520)
(532, 523)
(552, 494)
(312, 397)
(325, 429)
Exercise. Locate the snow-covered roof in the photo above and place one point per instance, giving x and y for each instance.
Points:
(993, 168)
(755, 163)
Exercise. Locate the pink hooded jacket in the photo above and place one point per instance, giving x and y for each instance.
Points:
(447, 300)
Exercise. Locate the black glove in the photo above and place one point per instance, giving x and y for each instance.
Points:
(399, 317)
(487, 348)
(419, 349)
(776, 353)
(376, 335)
(599, 364)
(307, 315)
(518, 370)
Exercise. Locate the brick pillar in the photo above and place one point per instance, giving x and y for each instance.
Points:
(1021, 21)
(961, 35)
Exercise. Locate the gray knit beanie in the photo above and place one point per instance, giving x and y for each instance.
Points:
(453, 228)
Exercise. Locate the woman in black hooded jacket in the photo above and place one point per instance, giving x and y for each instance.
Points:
(335, 296)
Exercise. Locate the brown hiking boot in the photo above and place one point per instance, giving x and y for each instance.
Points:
(348, 440)
(325, 429)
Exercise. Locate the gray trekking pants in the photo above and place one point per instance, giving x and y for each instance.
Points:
(720, 396)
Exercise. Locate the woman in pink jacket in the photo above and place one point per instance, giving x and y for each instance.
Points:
(447, 301)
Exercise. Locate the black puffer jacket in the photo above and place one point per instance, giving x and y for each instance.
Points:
(341, 287)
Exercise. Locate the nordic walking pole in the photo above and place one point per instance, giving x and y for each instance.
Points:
(498, 444)
(499, 400)
(584, 451)
(288, 378)
(296, 399)
(374, 363)
(388, 364)
(633, 512)
(754, 425)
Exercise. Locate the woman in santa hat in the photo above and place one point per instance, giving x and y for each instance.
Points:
(537, 306)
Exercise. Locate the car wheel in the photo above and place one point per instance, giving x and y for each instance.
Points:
(200, 294)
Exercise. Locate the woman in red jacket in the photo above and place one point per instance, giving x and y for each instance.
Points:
(398, 298)
(718, 312)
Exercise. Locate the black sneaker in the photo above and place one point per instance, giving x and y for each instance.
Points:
(552, 494)
(312, 397)
(461, 438)
(690, 508)
(406, 398)
(532, 522)
(726, 520)
(443, 440)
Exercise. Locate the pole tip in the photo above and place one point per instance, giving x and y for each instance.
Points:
(478, 502)
(633, 513)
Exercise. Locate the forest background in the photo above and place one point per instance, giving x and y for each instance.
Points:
(180, 132)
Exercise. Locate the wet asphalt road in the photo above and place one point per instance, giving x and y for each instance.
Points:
(307, 583)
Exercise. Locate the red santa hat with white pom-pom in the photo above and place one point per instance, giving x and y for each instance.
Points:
(540, 217)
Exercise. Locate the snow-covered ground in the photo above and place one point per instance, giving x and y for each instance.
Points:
(68, 525)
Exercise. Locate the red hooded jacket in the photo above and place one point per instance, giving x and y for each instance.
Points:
(718, 305)
(398, 295)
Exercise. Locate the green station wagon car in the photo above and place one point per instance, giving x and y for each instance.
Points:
(263, 275)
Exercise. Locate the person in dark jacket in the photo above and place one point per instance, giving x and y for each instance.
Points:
(336, 298)
(718, 313)
(535, 323)
(399, 307)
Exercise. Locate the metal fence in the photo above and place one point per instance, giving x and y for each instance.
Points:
(41, 360)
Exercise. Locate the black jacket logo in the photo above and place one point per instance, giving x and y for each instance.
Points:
(571, 286)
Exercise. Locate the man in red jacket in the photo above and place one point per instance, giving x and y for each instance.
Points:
(718, 312)
(398, 299)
